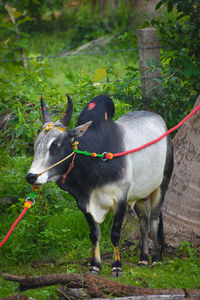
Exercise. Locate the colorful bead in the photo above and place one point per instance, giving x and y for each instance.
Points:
(28, 204)
(108, 155)
(75, 145)
(35, 188)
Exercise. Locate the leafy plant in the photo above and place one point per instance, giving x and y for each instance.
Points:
(182, 39)
(186, 249)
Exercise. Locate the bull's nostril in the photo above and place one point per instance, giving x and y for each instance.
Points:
(31, 178)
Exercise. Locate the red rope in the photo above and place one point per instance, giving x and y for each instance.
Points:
(161, 137)
(27, 206)
(64, 176)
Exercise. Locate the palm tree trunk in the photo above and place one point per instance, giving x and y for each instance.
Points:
(181, 209)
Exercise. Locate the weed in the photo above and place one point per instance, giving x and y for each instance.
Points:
(186, 249)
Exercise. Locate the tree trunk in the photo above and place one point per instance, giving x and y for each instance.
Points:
(149, 51)
(181, 209)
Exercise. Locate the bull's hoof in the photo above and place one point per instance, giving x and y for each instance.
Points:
(116, 272)
(116, 269)
(144, 260)
(143, 263)
(94, 270)
(156, 260)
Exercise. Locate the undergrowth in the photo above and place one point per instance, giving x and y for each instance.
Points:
(179, 272)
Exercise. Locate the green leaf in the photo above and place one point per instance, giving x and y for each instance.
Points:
(191, 71)
(159, 4)
(100, 74)
(36, 2)
(13, 12)
(131, 68)
(19, 131)
(26, 19)
(170, 6)
(22, 43)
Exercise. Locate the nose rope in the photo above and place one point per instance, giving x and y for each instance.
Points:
(59, 162)
(64, 176)
(47, 128)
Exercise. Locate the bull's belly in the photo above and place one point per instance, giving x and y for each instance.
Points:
(105, 198)
(144, 184)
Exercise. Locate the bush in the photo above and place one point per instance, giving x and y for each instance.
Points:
(180, 59)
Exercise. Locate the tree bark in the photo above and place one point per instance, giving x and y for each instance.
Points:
(181, 210)
(94, 285)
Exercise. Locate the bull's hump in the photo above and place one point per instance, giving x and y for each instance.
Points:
(99, 109)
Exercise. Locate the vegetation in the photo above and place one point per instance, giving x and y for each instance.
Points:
(54, 231)
(181, 58)
(180, 272)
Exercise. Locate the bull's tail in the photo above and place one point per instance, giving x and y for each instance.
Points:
(161, 239)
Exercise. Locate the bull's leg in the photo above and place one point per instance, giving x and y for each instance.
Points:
(143, 217)
(95, 233)
(115, 237)
(156, 205)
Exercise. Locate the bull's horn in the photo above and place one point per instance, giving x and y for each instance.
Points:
(68, 114)
(45, 114)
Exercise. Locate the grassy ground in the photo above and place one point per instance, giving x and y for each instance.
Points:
(57, 241)
(65, 70)
(177, 273)
(53, 237)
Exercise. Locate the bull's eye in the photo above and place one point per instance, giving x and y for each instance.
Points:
(54, 147)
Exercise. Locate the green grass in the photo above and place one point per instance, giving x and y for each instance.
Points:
(53, 237)
(176, 273)
(99, 67)
(66, 70)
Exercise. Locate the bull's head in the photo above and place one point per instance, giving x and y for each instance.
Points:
(53, 144)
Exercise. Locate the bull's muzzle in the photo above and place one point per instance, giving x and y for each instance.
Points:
(31, 178)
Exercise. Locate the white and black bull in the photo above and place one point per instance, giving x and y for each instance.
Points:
(101, 186)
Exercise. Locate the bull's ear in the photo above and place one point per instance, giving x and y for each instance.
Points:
(80, 130)
(45, 114)
(68, 113)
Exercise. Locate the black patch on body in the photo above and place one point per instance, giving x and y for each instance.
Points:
(102, 136)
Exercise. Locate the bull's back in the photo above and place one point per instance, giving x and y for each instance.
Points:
(145, 168)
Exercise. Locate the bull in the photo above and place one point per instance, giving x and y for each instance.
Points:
(99, 185)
